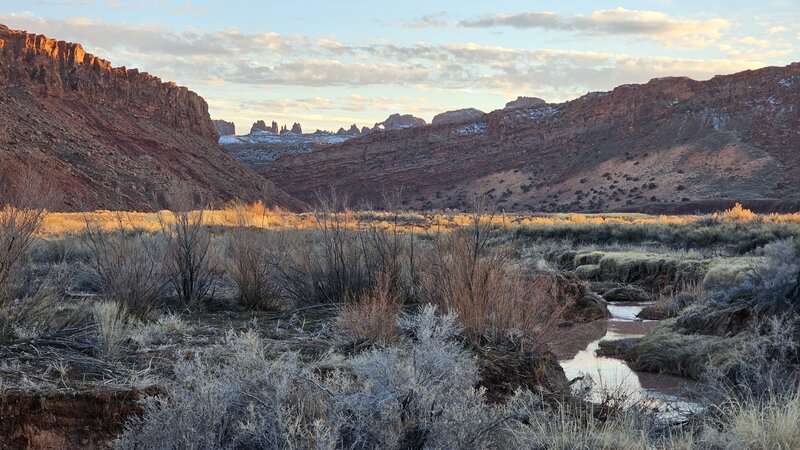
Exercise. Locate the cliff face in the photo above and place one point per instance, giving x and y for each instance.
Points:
(61, 69)
(673, 144)
(109, 137)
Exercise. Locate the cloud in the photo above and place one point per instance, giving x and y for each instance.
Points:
(650, 25)
(428, 21)
(227, 65)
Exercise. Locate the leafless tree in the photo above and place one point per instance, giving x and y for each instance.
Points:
(188, 258)
(24, 199)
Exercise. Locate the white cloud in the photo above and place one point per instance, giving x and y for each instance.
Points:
(650, 25)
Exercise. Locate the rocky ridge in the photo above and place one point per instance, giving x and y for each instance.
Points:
(110, 137)
(669, 145)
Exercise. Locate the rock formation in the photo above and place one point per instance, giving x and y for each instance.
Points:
(109, 137)
(296, 128)
(224, 128)
(399, 122)
(458, 116)
(260, 125)
(671, 145)
(525, 102)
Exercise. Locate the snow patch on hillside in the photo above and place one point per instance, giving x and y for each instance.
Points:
(473, 128)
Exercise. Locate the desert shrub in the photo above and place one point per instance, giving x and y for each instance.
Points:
(373, 315)
(112, 323)
(335, 262)
(251, 270)
(418, 394)
(738, 213)
(43, 310)
(479, 282)
(125, 264)
(187, 262)
(20, 219)
(768, 355)
(773, 278)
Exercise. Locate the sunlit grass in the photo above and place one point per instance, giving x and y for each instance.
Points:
(258, 216)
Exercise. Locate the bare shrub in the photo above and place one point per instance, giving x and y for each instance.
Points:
(188, 257)
(126, 265)
(494, 300)
(23, 208)
(374, 314)
(250, 268)
(44, 311)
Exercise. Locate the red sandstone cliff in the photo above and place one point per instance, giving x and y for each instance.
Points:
(110, 137)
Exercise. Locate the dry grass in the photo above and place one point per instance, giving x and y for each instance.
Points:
(374, 314)
(111, 321)
(769, 424)
(492, 297)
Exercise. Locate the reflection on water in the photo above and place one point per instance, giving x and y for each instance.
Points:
(612, 376)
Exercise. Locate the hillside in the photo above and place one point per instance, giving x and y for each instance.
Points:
(110, 137)
(672, 144)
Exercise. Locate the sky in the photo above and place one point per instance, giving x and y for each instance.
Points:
(330, 64)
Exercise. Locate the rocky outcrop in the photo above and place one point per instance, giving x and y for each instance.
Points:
(671, 145)
(110, 137)
(526, 102)
(352, 131)
(296, 128)
(50, 68)
(458, 116)
(224, 128)
(261, 126)
(399, 122)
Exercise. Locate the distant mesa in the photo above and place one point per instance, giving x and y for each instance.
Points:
(458, 116)
(399, 122)
(225, 128)
(525, 102)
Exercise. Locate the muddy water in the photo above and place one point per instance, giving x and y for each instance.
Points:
(576, 352)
